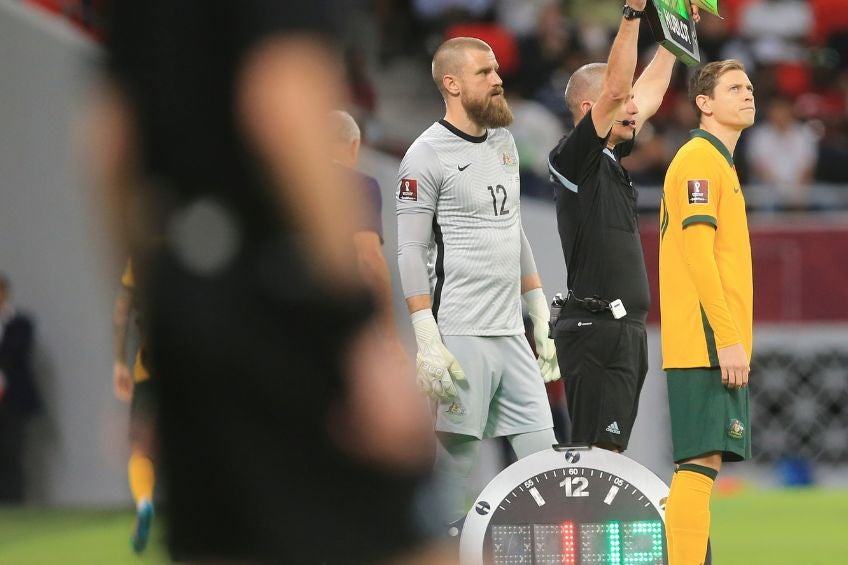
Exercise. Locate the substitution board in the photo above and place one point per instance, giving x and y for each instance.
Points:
(568, 505)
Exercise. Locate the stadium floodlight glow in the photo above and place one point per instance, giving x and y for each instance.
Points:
(673, 28)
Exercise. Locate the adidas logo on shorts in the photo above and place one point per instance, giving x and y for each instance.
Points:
(613, 428)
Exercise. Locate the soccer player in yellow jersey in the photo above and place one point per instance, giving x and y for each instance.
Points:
(135, 388)
(706, 304)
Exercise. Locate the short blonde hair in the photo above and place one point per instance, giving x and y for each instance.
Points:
(450, 55)
(704, 81)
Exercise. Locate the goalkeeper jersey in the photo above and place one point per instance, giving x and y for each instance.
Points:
(470, 186)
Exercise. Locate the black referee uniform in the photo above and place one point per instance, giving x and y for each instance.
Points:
(603, 359)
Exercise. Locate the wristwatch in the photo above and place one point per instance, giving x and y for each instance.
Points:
(631, 14)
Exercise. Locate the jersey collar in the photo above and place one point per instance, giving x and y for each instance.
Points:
(714, 141)
(458, 132)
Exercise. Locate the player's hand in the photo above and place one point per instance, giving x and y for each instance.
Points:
(696, 13)
(437, 368)
(123, 381)
(733, 361)
(638, 5)
(537, 307)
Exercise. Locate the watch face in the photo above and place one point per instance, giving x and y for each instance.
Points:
(576, 506)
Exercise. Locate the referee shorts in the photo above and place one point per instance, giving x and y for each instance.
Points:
(603, 363)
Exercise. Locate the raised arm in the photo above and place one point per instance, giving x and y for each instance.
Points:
(618, 80)
(649, 90)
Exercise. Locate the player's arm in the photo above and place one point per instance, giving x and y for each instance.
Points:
(420, 179)
(540, 314)
(375, 273)
(122, 380)
(618, 80)
(650, 88)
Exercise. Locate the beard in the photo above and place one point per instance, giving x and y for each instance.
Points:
(488, 111)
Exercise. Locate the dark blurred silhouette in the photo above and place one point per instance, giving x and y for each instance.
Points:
(19, 397)
(285, 436)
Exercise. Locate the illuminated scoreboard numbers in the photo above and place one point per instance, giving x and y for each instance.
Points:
(569, 548)
(553, 544)
(642, 542)
(607, 543)
(538, 544)
(600, 543)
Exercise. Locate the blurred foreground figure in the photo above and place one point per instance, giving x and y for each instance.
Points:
(284, 435)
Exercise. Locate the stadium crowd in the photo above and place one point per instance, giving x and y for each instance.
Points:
(796, 52)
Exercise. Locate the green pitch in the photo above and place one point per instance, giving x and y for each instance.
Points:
(72, 537)
(782, 527)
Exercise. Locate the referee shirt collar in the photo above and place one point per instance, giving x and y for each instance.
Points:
(697, 132)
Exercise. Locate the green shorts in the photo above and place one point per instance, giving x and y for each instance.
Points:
(706, 417)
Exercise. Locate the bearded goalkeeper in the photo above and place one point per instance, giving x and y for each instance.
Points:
(458, 206)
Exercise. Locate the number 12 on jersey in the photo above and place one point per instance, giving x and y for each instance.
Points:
(495, 191)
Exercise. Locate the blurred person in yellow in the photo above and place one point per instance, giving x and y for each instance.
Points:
(283, 435)
(135, 387)
(706, 304)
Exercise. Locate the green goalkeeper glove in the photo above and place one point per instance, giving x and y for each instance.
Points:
(438, 369)
(537, 306)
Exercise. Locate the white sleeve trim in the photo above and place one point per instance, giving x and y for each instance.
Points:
(562, 180)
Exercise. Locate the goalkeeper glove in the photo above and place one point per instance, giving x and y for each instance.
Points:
(438, 369)
(537, 306)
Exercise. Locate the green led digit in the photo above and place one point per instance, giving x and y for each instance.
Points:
(643, 542)
(614, 542)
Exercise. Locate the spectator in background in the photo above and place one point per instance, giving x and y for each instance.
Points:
(534, 130)
(782, 155)
(776, 28)
(363, 94)
(541, 52)
(19, 398)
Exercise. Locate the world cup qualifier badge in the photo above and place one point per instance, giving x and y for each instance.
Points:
(408, 190)
(736, 429)
(699, 191)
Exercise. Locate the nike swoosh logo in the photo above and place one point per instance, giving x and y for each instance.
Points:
(736, 189)
(463, 168)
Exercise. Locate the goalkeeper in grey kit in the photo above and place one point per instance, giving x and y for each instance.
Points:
(465, 265)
